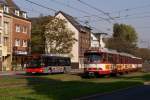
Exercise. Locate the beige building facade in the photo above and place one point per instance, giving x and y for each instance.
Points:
(15, 34)
(1, 37)
(7, 40)
(82, 35)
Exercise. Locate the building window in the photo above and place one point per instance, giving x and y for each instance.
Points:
(6, 9)
(0, 55)
(24, 43)
(17, 42)
(0, 38)
(5, 41)
(0, 21)
(17, 12)
(18, 28)
(6, 31)
(24, 15)
(24, 29)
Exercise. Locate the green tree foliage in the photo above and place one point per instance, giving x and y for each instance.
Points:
(37, 36)
(59, 39)
(125, 32)
(124, 38)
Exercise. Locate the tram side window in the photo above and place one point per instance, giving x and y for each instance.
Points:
(104, 59)
(130, 60)
(121, 59)
(125, 60)
(117, 59)
(110, 58)
(114, 57)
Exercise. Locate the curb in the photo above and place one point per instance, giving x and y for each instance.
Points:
(11, 73)
(105, 93)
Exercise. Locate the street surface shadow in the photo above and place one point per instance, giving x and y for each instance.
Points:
(53, 89)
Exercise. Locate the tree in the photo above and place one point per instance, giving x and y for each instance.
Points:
(125, 32)
(38, 30)
(124, 38)
(121, 45)
(59, 39)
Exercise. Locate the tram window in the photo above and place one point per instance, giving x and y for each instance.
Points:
(104, 57)
(121, 59)
(93, 57)
(110, 58)
(116, 59)
(125, 60)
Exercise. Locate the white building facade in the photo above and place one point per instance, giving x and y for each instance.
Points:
(97, 40)
(82, 35)
(94, 41)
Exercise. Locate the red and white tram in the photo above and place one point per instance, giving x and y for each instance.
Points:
(105, 62)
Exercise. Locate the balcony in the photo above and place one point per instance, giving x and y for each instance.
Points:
(6, 35)
(20, 51)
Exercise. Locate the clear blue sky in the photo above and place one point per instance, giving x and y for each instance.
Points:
(132, 12)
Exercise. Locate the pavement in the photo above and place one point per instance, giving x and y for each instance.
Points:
(4, 73)
(135, 93)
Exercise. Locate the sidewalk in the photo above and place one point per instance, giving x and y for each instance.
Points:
(2, 73)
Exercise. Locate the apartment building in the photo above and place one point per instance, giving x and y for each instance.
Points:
(82, 35)
(16, 35)
(1, 36)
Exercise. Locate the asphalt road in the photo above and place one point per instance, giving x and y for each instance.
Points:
(136, 93)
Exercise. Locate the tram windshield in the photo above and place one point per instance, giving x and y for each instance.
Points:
(93, 57)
